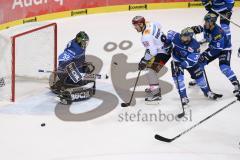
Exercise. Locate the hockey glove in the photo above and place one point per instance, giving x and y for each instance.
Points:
(168, 48)
(197, 29)
(88, 67)
(142, 64)
(208, 5)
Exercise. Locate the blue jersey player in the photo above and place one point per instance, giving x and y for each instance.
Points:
(223, 7)
(185, 54)
(219, 48)
(70, 83)
(74, 52)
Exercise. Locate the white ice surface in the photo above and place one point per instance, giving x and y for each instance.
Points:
(105, 138)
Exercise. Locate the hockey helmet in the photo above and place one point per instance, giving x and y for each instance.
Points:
(139, 23)
(82, 39)
(187, 35)
(210, 17)
(138, 19)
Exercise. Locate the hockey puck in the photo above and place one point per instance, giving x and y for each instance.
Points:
(115, 63)
(43, 125)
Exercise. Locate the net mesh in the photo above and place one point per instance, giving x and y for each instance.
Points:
(33, 51)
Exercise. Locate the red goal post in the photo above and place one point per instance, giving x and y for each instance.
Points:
(13, 68)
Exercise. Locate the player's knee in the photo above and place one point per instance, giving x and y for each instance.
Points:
(157, 67)
(179, 80)
(227, 71)
(225, 68)
(201, 82)
(225, 26)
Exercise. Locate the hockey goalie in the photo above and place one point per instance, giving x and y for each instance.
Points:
(69, 81)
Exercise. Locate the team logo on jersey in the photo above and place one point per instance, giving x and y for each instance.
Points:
(217, 37)
(190, 50)
(146, 43)
(147, 31)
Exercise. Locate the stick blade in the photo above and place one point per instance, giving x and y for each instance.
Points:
(125, 104)
(40, 70)
(160, 138)
(181, 115)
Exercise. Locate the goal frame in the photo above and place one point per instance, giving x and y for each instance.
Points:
(13, 39)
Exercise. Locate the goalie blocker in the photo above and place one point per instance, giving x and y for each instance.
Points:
(70, 84)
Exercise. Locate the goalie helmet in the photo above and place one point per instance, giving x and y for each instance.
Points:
(82, 39)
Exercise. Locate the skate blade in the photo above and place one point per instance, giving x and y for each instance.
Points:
(152, 102)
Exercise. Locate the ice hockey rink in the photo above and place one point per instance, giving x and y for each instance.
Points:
(76, 133)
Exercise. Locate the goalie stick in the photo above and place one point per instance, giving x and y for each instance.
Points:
(97, 76)
(168, 140)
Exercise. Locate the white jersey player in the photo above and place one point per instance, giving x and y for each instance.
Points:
(156, 56)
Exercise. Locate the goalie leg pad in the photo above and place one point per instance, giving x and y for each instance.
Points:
(56, 82)
(78, 93)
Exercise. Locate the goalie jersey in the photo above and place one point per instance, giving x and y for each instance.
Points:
(72, 53)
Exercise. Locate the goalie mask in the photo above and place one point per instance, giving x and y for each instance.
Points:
(82, 39)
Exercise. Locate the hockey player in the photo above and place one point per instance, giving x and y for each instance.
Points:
(219, 48)
(223, 7)
(155, 56)
(68, 81)
(185, 55)
(239, 52)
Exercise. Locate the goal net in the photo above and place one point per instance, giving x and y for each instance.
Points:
(22, 55)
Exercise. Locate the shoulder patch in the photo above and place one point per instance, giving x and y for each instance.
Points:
(190, 49)
(217, 37)
(147, 31)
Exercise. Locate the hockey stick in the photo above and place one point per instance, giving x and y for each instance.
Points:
(178, 86)
(164, 139)
(130, 101)
(205, 75)
(98, 76)
(227, 18)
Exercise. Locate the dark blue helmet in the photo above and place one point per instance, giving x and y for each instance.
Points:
(187, 32)
(82, 39)
(210, 17)
(187, 35)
